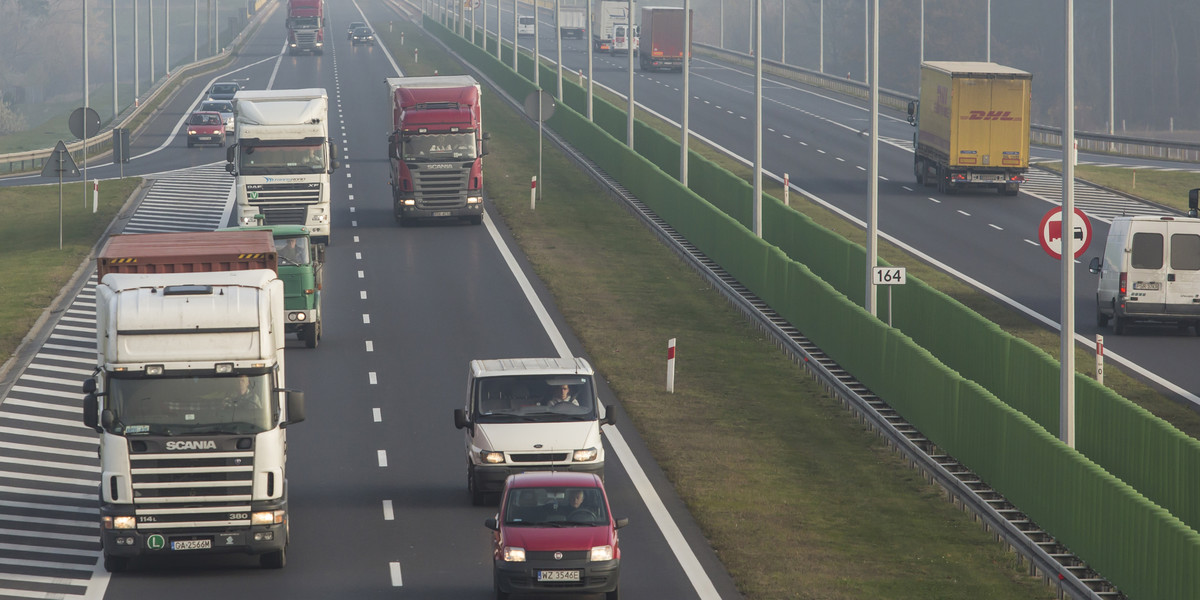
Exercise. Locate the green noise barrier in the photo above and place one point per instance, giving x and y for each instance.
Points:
(1144, 549)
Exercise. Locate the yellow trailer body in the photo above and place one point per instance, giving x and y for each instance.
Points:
(973, 125)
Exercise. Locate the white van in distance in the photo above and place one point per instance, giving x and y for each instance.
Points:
(525, 25)
(530, 414)
(1150, 271)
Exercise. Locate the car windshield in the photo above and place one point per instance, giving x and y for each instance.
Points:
(204, 119)
(238, 404)
(555, 507)
(362, 31)
(439, 146)
(299, 158)
(534, 398)
(224, 89)
(356, 25)
(214, 106)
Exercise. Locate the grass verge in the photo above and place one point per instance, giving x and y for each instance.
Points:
(34, 268)
(797, 497)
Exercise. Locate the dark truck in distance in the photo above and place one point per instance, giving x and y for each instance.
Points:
(662, 38)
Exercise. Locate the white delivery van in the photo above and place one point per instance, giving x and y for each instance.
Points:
(1150, 271)
(525, 25)
(530, 414)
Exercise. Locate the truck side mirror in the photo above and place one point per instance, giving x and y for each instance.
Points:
(1094, 266)
(912, 112)
(333, 160)
(107, 418)
(610, 415)
(393, 146)
(295, 407)
(483, 145)
(1193, 200)
(89, 385)
(230, 155)
(91, 412)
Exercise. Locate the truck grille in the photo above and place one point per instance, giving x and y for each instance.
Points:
(440, 188)
(306, 38)
(265, 194)
(285, 214)
(193, 489)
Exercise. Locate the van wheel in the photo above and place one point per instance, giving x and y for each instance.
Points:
(1119, 323)
(1101, 318)
(478, 498)
(500, 594)
(613, 595)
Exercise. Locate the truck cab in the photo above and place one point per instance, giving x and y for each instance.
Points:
(302, 268)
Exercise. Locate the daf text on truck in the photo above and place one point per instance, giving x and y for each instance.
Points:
(189, 398)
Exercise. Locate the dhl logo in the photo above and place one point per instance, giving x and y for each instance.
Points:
(990, 115)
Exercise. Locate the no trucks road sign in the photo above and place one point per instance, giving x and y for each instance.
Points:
(1051, 231)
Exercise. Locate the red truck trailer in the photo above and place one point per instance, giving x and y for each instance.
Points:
(662, 38)
(436, 148)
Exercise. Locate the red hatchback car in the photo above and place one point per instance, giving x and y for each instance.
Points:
(205, 128)
(555, 533)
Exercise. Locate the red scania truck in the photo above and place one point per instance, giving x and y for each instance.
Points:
(436, 148)
(306, 26)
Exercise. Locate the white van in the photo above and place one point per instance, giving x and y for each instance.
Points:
(525, 25)
(530, 414)
(1150, 271)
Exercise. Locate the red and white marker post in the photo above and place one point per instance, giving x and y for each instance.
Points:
(533, 193)
(671, 365)
(95, 195)
(786, 188)
(1099, 359)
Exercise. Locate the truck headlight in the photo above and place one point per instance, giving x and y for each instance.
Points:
(321, 218)
(267, 517)
(601, 553)
(586, 455)
(512, 554)
(491, 457)
(474, 199)
(249, 221)
(118, 522)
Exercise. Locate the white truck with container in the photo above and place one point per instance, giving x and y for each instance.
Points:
(606, 15)
(189, 399)
(572, 20)
(282, 159)
(530, 414)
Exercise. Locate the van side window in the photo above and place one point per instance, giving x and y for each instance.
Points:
(1147, 251)
(1185, 252)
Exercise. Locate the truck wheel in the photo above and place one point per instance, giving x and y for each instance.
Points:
(1010, 189)
(309, 335)
(115, 564)
(273, 560)
(476, 220)
(919, 171)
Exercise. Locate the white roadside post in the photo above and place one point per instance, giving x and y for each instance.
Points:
(786, 187)
(533, 193)
(1099, 359)
(671, 365)
(888, 276)
(95, 195)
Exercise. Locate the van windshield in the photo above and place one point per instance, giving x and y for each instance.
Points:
(541, 398)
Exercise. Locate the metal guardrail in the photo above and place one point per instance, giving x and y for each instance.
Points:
(1039, 135)
(34, 160)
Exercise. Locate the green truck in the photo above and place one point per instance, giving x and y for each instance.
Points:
(300, 267)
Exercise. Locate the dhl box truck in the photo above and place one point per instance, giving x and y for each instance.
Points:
(972, 123)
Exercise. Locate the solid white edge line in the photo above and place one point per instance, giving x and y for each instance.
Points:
(662, 518)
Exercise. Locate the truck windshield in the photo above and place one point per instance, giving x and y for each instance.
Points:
(262, 160)
(292, 251)
(439, 146)
(519, 398)
(305, 23)
(239, 404)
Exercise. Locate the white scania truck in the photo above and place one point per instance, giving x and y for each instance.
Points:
(188, 397)
(282, 158)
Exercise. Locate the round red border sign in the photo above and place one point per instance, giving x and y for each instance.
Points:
(1050, 242)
